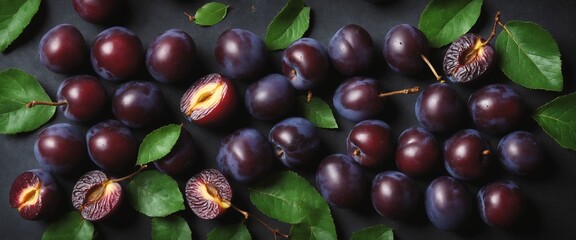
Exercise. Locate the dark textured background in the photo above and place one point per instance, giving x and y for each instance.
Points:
(551, 196)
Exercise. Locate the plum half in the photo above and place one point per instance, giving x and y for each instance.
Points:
(208, 194)
(96, 195)
(210, 100)
(35, 194)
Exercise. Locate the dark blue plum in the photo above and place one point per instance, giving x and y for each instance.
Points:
(341, 181)
(351, 50)
(521, 153)
(138, 104)
(111, 146)
(63, 50)
(467, 154)
(171, 56)
(61, 148)
(85, 97)
(305, 63)
(403, 48)
(439, 108)
(501, 204)
(269, 98)
(394, 195)
(117, 54)
(245, 155)
(370, 143)
(418, 152)
(297, 142)
(496, 108)
(241, 54)
(357, 99)
(105, 12)
(448, 203)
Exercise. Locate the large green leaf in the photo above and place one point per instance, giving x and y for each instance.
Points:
(288, 25)
(171, 227)
(154, 194)
(70, 227)
(158, 143)
(443, 21)
(311, 218)
(15, 15)
(17, 89)
(529, 56)
(558, 119)
(230, 232)
(378, 232)
(318, 112)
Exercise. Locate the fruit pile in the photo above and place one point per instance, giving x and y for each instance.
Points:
(449, 150)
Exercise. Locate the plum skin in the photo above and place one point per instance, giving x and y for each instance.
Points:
(418, 151)
(496, 108)
(298, 140)
(341, 181)
(117, 54)
(305, 63)
(111, 146)
(85, 98)
(63, 50)
(100, 11)
(394, 195)
(448, 203)
(171, 56)
(370, 143)
(245, 155)
(351, 50)
(403, 46)
(241, 54)
(137, 103)
(501, 204)
(357, 99)
(521, 153)
(269, 98)
(181, 158)
(467, 154)
(439, 108)
(60, 148)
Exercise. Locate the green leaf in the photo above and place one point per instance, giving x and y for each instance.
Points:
(378, 232)
(558, 119)
(158, 143)
(17, 89)
(318, 112)
(311, 218)
(154, 194)
(170, 227)
(443, 21)
(71, 227)
(288, 25)
(230, 232)
(529, 56)
(15, 15)
(210, 14)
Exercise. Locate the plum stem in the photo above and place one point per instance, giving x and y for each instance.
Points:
(32, 104)
(309, 96)
(190, 17)
(246, 215)
(427, 61)
(414, 89)
(493, 33)
(486, 152)
(142, 167)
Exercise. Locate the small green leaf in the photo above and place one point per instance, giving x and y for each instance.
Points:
(318, 112)
(443, 21)
(17, 89)
(288, 25)
(158, 143)
(210, 14)
(529, 56)
(70, 227)
(378, 232)
(154, 194)
(15, 15)
(170, 227)
(558, 119)
(311, 218)
(230, 232)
